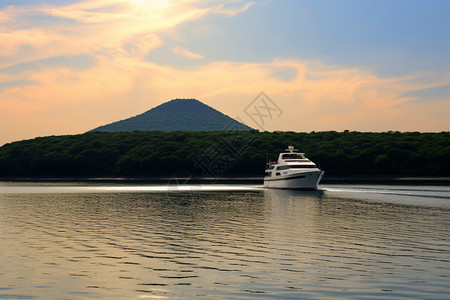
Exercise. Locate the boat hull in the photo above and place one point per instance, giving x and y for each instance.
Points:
(303, 181)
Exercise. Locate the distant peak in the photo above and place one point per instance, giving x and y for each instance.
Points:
(183, 114)
(184, 100)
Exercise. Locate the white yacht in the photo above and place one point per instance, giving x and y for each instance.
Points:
(292, 171)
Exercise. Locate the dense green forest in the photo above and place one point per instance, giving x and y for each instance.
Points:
(224, 153)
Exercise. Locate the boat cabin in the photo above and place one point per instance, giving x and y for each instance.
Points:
(292, 154)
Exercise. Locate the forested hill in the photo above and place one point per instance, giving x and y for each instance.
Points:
(177, 114)
(224, 153)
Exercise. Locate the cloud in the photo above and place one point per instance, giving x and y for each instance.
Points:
(285, 73)
(96, 27)
(77, 62)
(186, 53)
(14, 84)
(233, 8)
(434, 93)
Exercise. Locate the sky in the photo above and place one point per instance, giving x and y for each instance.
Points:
(68, 66)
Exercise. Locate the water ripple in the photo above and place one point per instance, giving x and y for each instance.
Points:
(342, 242)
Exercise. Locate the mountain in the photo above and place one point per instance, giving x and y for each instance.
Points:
(177, 114)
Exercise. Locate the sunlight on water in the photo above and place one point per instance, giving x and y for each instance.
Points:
(177, 188)
(95, 188)
(124, 241)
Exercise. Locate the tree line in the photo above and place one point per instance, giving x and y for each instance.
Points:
(224, 153)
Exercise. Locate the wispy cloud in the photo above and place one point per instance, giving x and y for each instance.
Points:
(14, 84)
(93, 27)
(233, 8)
(186, 53)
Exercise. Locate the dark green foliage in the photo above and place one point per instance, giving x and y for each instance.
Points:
(155, 153)
(176, 115)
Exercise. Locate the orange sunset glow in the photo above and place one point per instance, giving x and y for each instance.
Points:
(67, 67)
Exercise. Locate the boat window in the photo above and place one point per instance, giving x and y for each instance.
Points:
(291, 156)
(303, 166)
(283, 168)
(296, 167)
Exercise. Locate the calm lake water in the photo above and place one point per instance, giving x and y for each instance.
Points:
(130, 241)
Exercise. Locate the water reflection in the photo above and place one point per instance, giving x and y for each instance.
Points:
(226, 244)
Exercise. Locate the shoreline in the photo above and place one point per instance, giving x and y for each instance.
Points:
(130, 179)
